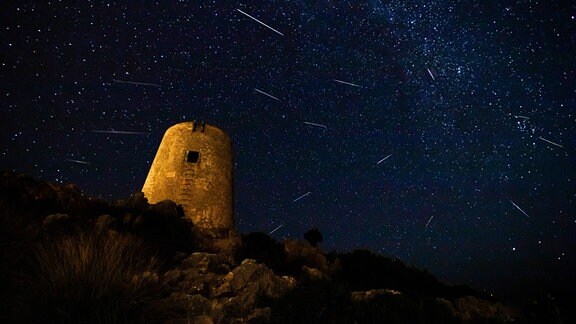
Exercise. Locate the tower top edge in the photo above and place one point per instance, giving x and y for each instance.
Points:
(199, 127)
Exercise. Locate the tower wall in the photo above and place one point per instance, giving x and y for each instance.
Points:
(194, 168)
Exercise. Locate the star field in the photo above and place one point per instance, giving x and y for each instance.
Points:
(438, 132)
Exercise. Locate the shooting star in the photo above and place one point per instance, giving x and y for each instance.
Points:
(522, 117)
(274, 230)
(138, 83)
(118, 132)
(266, 94)
(304, 195)
(425, 227)
(317, 125)
(348, 83)
(545, 140)
(520, 209)
(78, 161)
(384, 159)
(258, 21)
(431, 75)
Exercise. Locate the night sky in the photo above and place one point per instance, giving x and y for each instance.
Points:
(438, 132)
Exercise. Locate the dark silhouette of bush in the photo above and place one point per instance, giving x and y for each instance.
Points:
(313, 236)
(322, 302)
(262, 248)
(364, 270)
(331, 302)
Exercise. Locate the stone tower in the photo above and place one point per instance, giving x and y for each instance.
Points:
(193, 167)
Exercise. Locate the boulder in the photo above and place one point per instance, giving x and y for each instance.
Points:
(250, 282)
(259, 279)
(472, 309)
(369, 295)
(54, 219)
(310, 275)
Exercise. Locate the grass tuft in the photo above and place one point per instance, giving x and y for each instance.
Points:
(92, 277)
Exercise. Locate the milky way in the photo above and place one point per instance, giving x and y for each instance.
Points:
(438, 132)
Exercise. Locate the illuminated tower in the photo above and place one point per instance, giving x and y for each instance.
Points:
(193, 167)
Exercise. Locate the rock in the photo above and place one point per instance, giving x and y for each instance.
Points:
(201, 261)
(312, 275)
(446, 304)
(203, 319)
(194, 284)
(224, 290)
(368, 295)
(165, 207)
(217, 310)
(198, 305)
(260, 315)
(182, 303)
(228, 244)
(229, 277)
(198, 276)
(137, 201)
(252, 281)
(224, 242)
(234, 295)
(51, 220)
(472, 309)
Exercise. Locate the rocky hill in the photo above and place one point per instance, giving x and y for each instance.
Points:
(69, 258)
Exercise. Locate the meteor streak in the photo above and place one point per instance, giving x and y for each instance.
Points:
(138, 83)
(317, 125)
(266, 94)
(258, 21)
(431, 75)
(348, 83)
(545, 140)
(384, 159)
(274, 230)
(425, 227)
(520, 209)
(78, 161)
(304, 195)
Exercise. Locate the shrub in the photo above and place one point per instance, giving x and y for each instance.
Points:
(262, 248)
(91, 277)
(313, 236)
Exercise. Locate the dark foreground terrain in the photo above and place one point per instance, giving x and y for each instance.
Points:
(69, 258)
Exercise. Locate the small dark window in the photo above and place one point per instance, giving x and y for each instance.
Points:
(192, 156)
